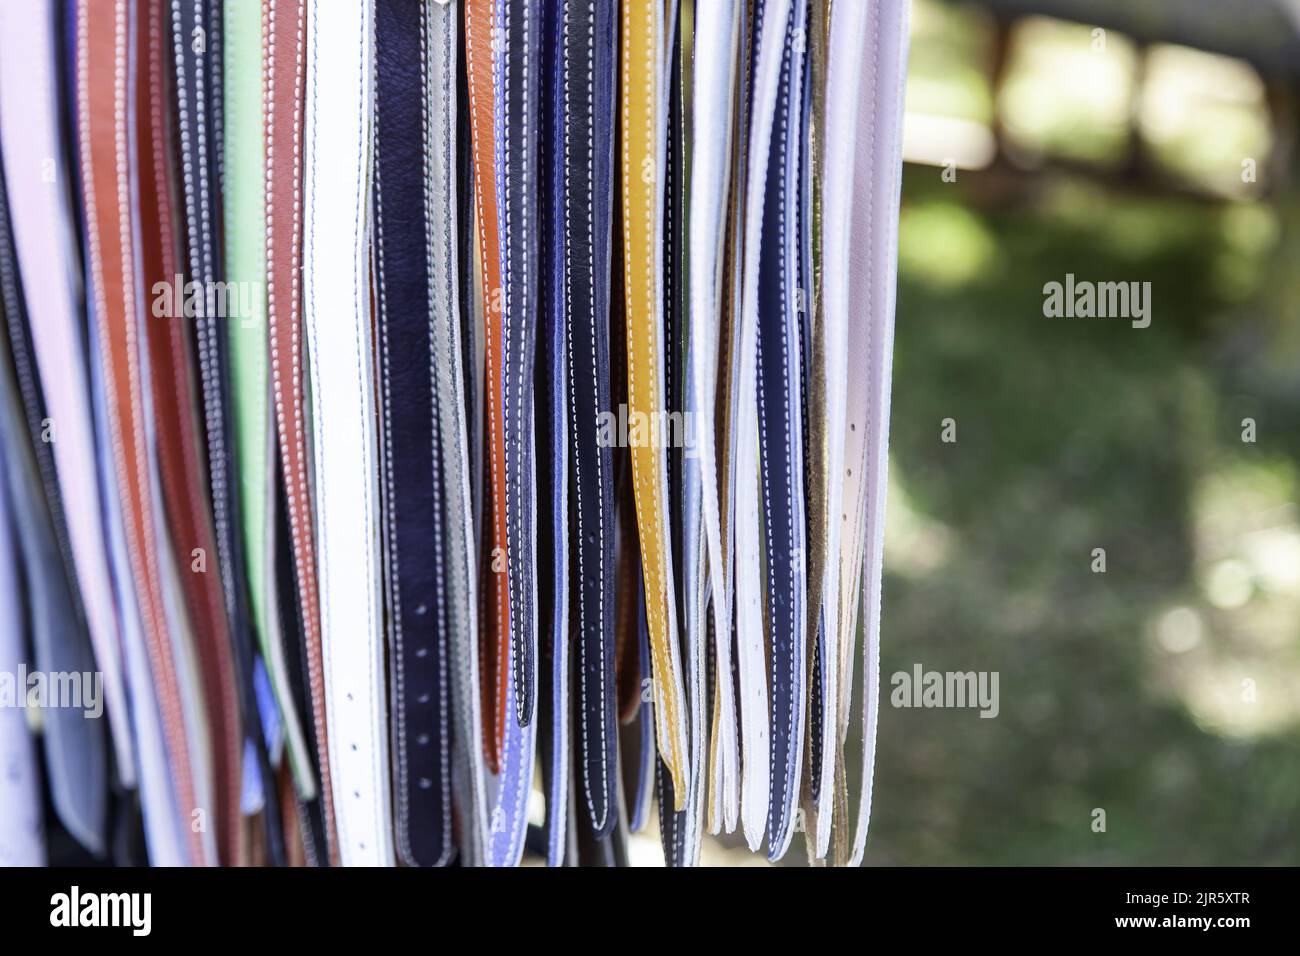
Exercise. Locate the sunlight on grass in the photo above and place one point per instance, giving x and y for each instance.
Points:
(1233, 657)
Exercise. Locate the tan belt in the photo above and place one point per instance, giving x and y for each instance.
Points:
(643, 145)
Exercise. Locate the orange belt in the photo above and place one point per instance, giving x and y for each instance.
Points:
(495, 626)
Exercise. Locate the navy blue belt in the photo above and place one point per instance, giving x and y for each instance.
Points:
(781, 439)
(582, 138)
(409, 238)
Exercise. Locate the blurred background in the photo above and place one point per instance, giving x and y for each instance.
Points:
(1135, 140)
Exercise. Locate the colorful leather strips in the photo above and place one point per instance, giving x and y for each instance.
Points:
(470, 423)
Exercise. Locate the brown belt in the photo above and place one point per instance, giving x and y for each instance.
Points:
(284, 76)
(174, 401)
(494, 624)
(103, 88)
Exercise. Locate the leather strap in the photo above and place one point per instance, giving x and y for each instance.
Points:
(518, 95)
(106, 133)
(44, 237)
(878, 171)
(780, 430)
(494, 617)
(336, 264)
(728, 397)
(176, 430)
(759, 771)
(643, 132)
(284, 72)
(823, 678)
(415, 512)
(583, 137)
(715, 82)
(554, 440)
(22, 834)
(844, 58)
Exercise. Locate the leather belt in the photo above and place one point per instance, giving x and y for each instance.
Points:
(728, 402)
(176, 431)
(336, 261)
(106, 125)
(873, 254)
(715, 82)
(780, 430)
(583, 137)
(43, 235)
(759, 771)
(643, 133)
(681, 833)
(416, 518)
(822, 657)
(284, 71)
(518, 93)
(553, 440)
(21, 826)
(494, 617)
(516, 97)
(844, 57)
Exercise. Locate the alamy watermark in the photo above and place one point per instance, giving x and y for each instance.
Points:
(1103, 300)
(637, 429)
(217, 300)
(76, 690)
(948, 689)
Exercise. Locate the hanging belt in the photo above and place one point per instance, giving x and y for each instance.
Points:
(520, 76)
(644, 116)
(104, 90)
(336, 270)
(494, 617)
(284, 70)
(416, 517)
(823, 658)
(553, 440)
(728, 410)
(582, 135)
(715, 80)
(759, 770)
(176, 430)
(873, 255)
(781, 437)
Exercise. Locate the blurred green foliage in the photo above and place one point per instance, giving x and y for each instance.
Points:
(1075, 434)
